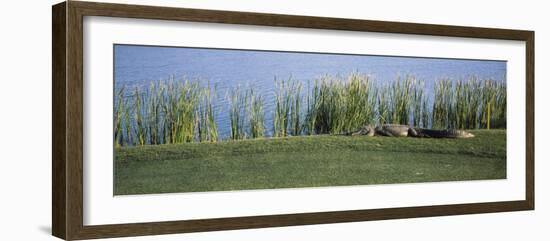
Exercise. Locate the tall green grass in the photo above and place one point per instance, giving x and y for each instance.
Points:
(310, 116)
(324, 106)
(183, 110)
(207, 127)
(118, 114)
(493, 107)
(337, 105)
(255, 103)
(418, 103)
(359, 98)
(466, 104)
(165, 112)
(286, 107)
(400, 100)
(383, 105)
(425, 113)
(442, 104)
(295, 111)
(469, 104)
(128, 125)
(237, 113)
(246, 114)
(139, 113)
(153, 117)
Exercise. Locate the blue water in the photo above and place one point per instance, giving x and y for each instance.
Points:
(230, 68)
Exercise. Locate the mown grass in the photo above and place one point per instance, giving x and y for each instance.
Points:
(307, 161)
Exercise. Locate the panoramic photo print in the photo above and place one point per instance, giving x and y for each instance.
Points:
(189, 119)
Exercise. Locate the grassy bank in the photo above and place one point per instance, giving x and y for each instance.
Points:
(307, 161)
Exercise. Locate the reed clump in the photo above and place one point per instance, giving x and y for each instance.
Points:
(165, 113)
(401, 100)
(207, 127)
(493, 114)
(118, 119)
(469, 104)
(256, 114)
(287, 117)
(337, 105)
(442, 104)
(420, 110)
(237, 112)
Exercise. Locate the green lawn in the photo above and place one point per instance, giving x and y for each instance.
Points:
(307, 161)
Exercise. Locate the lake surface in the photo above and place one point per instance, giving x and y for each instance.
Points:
(225, 69)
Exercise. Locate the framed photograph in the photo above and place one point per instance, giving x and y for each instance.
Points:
(172, 120)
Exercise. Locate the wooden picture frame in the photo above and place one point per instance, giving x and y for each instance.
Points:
(67, 138)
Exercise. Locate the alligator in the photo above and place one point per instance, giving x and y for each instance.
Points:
(404, 130)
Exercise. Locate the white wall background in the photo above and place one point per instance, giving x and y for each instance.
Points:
(25, 120)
